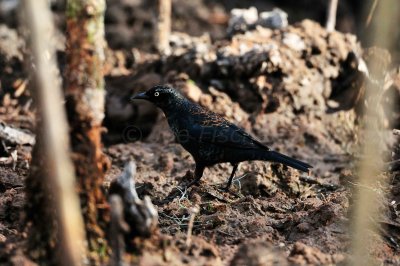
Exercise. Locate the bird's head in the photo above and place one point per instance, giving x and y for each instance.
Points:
(162, 96)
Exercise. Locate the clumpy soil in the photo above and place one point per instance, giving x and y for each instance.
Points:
(294, 89)
(296, 92)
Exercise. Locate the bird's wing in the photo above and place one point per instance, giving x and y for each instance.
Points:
(217, 130)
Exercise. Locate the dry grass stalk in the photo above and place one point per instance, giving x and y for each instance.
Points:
(366, 200)
(193, 211)
(331, 17)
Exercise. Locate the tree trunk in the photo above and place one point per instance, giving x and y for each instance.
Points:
(85, 109)
(55, 229)
(163, 26)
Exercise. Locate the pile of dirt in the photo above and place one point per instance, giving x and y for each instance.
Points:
(280, 85)
(280, 78)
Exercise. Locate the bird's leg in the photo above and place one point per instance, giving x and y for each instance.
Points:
(198, 173)
(228, 185)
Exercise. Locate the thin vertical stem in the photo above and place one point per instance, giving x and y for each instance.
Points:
(331, 17)
(163, 26)
(366, 198)
(371, 13)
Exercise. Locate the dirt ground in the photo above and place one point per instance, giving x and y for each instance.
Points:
(296, 89)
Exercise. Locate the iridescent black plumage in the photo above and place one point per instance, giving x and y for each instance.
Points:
(209, 137)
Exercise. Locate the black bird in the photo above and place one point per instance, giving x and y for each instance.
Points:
(209, 137)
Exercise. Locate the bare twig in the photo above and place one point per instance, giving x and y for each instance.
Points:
(193, 211)
(118, 227)
(331, 17)
(55, 132)
(177, 220)
(371, 13)
(12, 159)
(15, 136)
(238, 179)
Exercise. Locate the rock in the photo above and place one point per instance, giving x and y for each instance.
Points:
(180, 42)
(275, 19)
(293, 41)
(257, 253)
(305, 255)
(11, 45)
(242, 19)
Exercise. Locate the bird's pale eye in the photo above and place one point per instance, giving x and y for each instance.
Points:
(156, 93)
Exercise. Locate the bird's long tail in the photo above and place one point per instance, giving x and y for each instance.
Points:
(286, 160)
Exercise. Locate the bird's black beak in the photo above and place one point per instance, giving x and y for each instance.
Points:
(140, 96)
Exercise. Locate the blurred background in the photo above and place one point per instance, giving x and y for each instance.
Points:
(129, 22)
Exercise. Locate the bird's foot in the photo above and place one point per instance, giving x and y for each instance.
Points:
(194, 182)
(227, 189)
(177, 191)
(171, 196)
